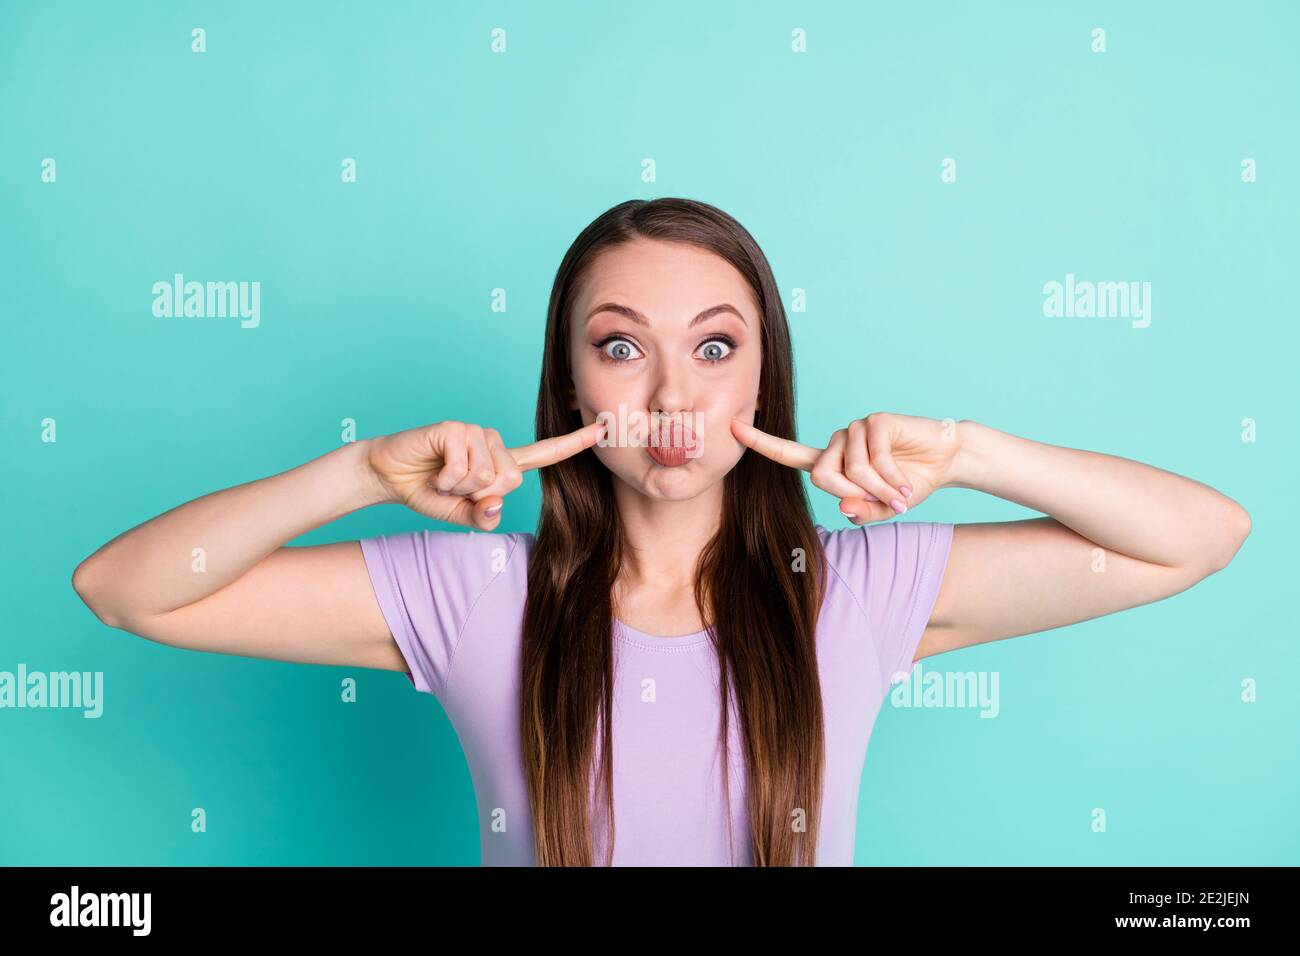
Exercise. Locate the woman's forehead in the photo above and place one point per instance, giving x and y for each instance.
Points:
(672, 286)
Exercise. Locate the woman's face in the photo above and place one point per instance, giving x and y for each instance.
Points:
(668, 328)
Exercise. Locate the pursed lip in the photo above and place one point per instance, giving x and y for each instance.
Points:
(672, 444)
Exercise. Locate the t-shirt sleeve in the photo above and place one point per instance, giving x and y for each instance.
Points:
(427, 584)
(896, 568)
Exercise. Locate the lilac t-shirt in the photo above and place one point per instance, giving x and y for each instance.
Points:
(454, 601)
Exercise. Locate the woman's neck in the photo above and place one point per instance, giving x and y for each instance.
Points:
(665, 538)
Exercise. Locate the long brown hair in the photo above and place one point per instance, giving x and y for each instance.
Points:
(765, 596)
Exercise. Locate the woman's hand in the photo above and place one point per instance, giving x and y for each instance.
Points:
(457, 472)
(878, 467)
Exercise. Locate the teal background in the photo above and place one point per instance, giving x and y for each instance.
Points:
(475, 171)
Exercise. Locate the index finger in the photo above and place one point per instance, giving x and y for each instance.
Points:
(550, 450)
(781, 450)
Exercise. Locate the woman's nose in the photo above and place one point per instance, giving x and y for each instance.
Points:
(669, 394)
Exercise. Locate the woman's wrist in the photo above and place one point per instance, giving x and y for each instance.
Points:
(970, 462)
(365, 488)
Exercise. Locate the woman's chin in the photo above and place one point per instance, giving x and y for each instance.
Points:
(678, 489)
(638, 469)
(669, 483)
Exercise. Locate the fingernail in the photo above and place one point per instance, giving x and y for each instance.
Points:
(898, 506)
(491, 511)
(441, 492)
(848, 514)
(907, 492)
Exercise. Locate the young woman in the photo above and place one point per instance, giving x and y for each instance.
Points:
(679, 614)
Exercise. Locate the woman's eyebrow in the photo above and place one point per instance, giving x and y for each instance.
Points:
(640, 319)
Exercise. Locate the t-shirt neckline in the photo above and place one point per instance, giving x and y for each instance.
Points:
(631, 635)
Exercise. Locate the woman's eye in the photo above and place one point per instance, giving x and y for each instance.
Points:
(621, 351)
(711, 349)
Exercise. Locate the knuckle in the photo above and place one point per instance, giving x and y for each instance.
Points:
(485, 475)
(828, 485)
(860, 476)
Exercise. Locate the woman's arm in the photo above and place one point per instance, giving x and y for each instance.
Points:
(213, 574)
(1118, 533)
(194, 550)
